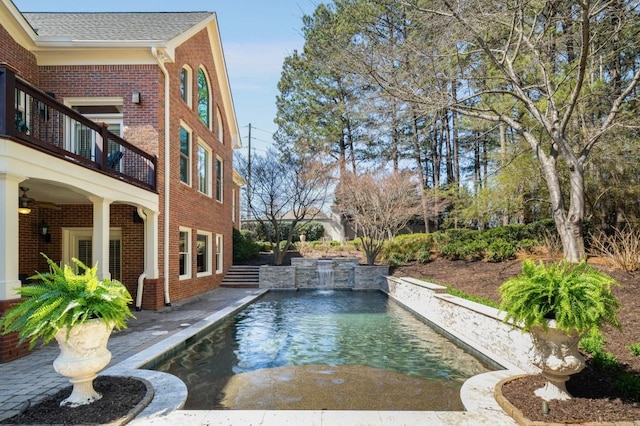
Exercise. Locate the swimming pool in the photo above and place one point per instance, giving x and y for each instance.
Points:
(324, 350)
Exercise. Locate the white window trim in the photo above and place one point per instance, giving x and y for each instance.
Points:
(219, 254)
(209, 258)
(188, 85)
(209, 101)
(70, 235)
(209, 169)
(233, 205)
(221, 199)
(219, 126)
(190, 162)
(107, 118)
(189, 257)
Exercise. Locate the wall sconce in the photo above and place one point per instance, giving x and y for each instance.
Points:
(44, 231)
(135, 97)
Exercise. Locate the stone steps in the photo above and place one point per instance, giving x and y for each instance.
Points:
(242, 276)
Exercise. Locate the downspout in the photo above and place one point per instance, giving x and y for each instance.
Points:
(143, 275)
(160, 58)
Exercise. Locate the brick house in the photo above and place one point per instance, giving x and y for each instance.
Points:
(117, 133)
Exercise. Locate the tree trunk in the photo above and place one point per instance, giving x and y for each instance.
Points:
(568, 224)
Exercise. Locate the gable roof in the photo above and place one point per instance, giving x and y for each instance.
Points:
(114, 26)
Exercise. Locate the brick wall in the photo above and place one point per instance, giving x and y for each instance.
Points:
(18, 57)
(189, 208)
(79, 216)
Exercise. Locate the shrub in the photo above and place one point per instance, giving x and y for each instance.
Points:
(244, 248)
(621, 249)
(605, 361)
(499, 250)
(313, 230)
(464, 250)
(629, 385)
(423, 256)
(407, 247)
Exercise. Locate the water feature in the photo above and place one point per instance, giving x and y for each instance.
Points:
(325, 273)
(324, 349)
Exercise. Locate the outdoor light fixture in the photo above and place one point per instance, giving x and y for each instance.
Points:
(44, 231)
(24, 201)
(135, 97)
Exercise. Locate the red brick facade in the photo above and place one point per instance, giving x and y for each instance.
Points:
(143, 126)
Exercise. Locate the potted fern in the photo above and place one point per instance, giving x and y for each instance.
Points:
(79, 311)
(558, 303)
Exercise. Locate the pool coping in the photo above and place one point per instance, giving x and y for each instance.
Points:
(171, 392)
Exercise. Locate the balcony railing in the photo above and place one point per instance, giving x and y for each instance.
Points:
(36, 119)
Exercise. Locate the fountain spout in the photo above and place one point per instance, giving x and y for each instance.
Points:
(325, 273)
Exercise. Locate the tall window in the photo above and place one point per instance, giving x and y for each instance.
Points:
(185, 84)
(185, 156)
(204, 252)
(185, 253)
(233, 205)
(219, 263)
(219, 176)
(204, 169)
(204, 101)
(219, 126)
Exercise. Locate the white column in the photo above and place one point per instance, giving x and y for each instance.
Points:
(9, 236)
(100, 245)
(150, 243)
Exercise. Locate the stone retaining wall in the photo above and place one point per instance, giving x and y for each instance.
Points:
(477, 325)
(346, 274)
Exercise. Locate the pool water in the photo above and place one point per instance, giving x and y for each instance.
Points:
(324, 350)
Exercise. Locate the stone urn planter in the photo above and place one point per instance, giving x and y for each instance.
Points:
(83, 353)
(556, 354)
(79, 311)
(543, 301)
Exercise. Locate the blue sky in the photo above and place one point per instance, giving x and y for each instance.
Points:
(256, 35)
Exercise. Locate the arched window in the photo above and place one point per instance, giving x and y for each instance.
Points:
(204, 97)
(185, 84)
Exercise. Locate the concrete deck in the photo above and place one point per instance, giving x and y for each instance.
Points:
(32, 378)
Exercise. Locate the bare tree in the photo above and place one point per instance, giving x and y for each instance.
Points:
(379, 205)
(552, 72)
(296, 188)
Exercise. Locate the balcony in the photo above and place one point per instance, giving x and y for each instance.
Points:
(33, 118)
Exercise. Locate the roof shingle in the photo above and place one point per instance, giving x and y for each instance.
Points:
(115, 26)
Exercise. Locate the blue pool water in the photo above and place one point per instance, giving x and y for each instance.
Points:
(286, 345)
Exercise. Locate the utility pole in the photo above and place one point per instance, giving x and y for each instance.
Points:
(249, 176)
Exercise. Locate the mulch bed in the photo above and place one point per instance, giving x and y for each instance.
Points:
(596, 399)
(119, 396)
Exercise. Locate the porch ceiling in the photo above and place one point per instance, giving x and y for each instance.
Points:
(44, 191)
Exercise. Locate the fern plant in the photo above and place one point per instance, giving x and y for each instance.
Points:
(61, 298)
(576, 296)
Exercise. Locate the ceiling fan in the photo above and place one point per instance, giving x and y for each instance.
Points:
(25, 202)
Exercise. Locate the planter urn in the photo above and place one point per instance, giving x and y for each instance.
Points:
(556, 354)
(83, 353)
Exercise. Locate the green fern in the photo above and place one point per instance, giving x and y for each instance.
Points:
(61, 298)
(576, 296)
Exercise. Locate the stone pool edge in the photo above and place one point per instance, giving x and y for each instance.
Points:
(171, 393)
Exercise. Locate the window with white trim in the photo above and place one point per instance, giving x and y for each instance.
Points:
(185, 155)
(186, 76)
(204, 168)
(219, 253)
(219, 126)
(184, 250)
(219, 177)
(204, 97)
(203, 253)
(233, 205)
